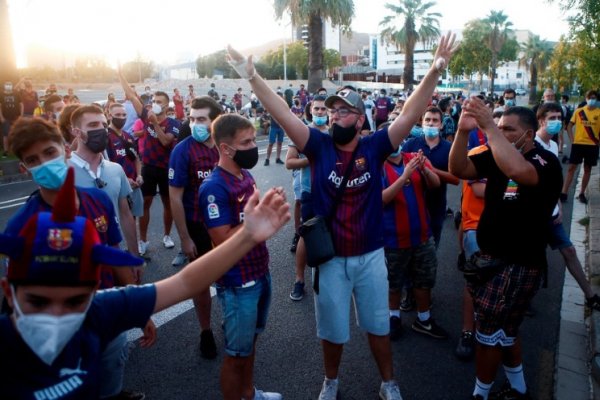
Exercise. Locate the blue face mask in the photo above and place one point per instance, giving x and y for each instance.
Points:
(510, 103)
(431, 132)
(592, 103)
(51, 174)
(553, 127)
(319, 121)
(200, 132)
(416, 131)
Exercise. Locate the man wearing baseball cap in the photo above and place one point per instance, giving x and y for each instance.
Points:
(358, 269)
(53, 341)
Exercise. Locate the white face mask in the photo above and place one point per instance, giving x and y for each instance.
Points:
(45, 334)
(156, 108)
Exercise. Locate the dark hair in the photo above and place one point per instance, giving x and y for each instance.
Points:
(497, 114)
(27, 131)
(163, 94)
(526, 116)
(319, 98)
(215, 108)
(115, 105)
(444, 103)
(590, 93)
(64, 122)
(565, 97)
(53, 98)
(545, 108)
(79, 111)
(434, 110)
(226, 126)
(509, 91)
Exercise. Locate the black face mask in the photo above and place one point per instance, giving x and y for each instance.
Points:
(118, 123)
(246, 159)
(97, 140)
(342, 135)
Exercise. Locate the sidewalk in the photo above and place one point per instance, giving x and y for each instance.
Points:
(577, 368)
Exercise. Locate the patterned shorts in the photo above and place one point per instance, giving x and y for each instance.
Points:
(418, 263)
(501, 303)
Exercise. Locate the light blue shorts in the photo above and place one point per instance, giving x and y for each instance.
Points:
(362, 279)
(245, 311)
(470, 245)
(297, 184)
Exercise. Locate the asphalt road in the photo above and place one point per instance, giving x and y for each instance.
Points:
(288, 356)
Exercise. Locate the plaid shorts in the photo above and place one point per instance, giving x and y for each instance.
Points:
(501, 302)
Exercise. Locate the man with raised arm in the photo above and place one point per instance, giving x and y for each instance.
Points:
(358, 269)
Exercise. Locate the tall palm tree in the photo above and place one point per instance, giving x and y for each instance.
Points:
(8, 64)
(419, 25)
(313, 13)
(536, 57)
(498, 31)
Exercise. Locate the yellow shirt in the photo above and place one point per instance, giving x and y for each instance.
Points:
(593, 121)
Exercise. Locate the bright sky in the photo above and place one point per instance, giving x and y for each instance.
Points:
(178, 30)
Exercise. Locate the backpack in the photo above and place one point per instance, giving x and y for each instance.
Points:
(382, 109)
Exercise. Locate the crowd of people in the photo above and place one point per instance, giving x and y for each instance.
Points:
(373, 167)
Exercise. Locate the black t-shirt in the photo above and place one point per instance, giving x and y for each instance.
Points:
(11, 105)
(514, 223)
(184, 130)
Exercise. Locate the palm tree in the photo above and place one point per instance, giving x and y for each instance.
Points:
(499, 29)
(8, 65)
(313, 13)
(419, 25)
(536, 57)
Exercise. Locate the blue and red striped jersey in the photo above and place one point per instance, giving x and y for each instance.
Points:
(123, 151)
(356, 225)
(190, 163)
(153, 152)
(222, 200)
(405, 219)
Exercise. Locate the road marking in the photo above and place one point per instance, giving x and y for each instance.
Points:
(13, 200)
(12, 205)
(166, 315)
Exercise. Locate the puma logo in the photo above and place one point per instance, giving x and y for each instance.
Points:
(68, 371)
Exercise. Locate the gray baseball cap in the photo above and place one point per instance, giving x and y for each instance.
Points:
(349, 97)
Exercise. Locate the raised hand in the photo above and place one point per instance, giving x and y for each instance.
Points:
(262, 219)
(244, 67)
(446, 48)
(476, 109)
(466, 122)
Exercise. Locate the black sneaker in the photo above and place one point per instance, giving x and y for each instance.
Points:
(128, 395)
(582, 198)
(508, 393)
(395, 328)
(565, 159)
(563, 197)
(408, 303)
(208, 347)
(278, 161)
(267, 162)
(429, 328)
(593, 302)
(457, 219)
(466, 346)
(294, 245)
(298, 292)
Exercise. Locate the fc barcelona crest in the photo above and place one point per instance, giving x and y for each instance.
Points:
(360, 163)
(101, 224)
(60, 239)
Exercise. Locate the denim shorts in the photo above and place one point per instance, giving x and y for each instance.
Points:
(245, 311)
(419, 263)
(275, 134)
(558, 238)
(114, 356)
(362, 279)
(297, 185)
(470, 245)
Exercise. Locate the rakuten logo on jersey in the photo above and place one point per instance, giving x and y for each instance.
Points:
(337, 180)
(203, 174)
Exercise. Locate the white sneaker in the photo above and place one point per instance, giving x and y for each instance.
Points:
(143, 247)
(168, 242)
(180, 260)
(260, 395)
(329, 390)
(389, 391)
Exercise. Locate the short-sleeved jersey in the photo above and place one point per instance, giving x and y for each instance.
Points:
(405, 219)
(191, 162)
(154, 153)
(122, 150)
(356, 225)
(116, 185)
(95, 205)
(512, 222)
(11, 105)
(476, 138)
(439, 156)
(75, 374)
(222, 200)
(586, 120)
